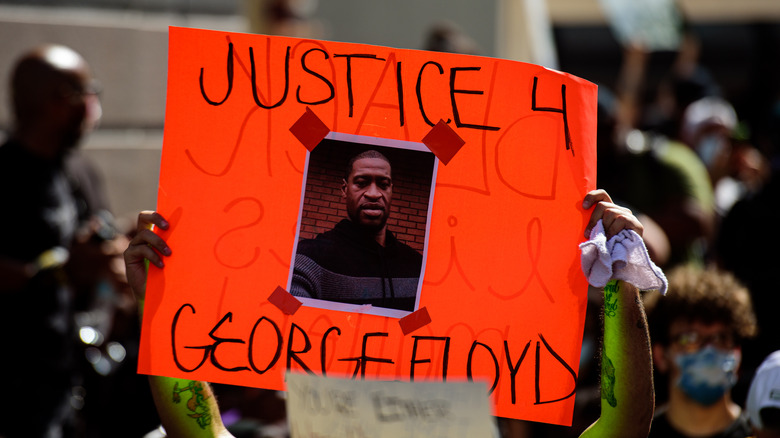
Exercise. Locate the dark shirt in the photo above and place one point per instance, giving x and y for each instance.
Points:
(662, 429)
(747, 250)
(40, 212)
(347, 265)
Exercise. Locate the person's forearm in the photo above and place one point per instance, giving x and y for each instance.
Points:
(187, 408)
(627, 394)
(629, 87)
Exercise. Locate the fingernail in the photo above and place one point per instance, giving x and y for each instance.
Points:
(160, 264)
(167, 251)
(164, 224)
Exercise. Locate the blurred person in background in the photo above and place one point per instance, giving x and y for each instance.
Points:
(293, 18)
(748, 252)
(60, 252)
(697, 332)
(663, 177)
(706, 127)
(763, 400)
(446, 36)
(736, 168)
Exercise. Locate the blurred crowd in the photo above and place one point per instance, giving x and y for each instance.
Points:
(703, 182)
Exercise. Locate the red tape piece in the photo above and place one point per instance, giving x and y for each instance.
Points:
(309, 130)
(443, 141)
(414, 320)
(282, 299)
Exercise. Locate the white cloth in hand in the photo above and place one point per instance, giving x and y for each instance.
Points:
(623, 257)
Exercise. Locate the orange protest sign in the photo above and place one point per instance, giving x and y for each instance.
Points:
(489, 161)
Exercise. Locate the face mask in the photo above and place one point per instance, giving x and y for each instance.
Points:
(707, 374)
(709, 147)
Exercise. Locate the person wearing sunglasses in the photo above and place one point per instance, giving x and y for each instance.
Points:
(697, 331)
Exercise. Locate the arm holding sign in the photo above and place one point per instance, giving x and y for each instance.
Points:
(627, 394)
(627, 386)
(187, 408)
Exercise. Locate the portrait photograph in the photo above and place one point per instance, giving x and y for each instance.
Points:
(363, 225)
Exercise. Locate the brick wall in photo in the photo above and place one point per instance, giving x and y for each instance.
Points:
(324, 204)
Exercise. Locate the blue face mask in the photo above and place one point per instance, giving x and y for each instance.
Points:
(707, 374)
(709, 148)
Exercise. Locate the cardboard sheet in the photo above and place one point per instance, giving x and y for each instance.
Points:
(497, 225)
(337, 408)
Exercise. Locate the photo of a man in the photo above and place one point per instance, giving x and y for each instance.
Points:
(360, 260)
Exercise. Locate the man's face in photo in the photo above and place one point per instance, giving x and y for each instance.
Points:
(368, 192)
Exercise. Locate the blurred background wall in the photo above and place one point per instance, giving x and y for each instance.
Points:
(125, 41)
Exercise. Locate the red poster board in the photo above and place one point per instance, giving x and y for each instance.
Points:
(502, 298)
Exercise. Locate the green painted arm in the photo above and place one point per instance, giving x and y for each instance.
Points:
(187, 408)
(627, 394)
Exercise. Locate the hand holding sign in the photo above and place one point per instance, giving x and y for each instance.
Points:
(145, 246)
(496, 219)
(627, 404)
